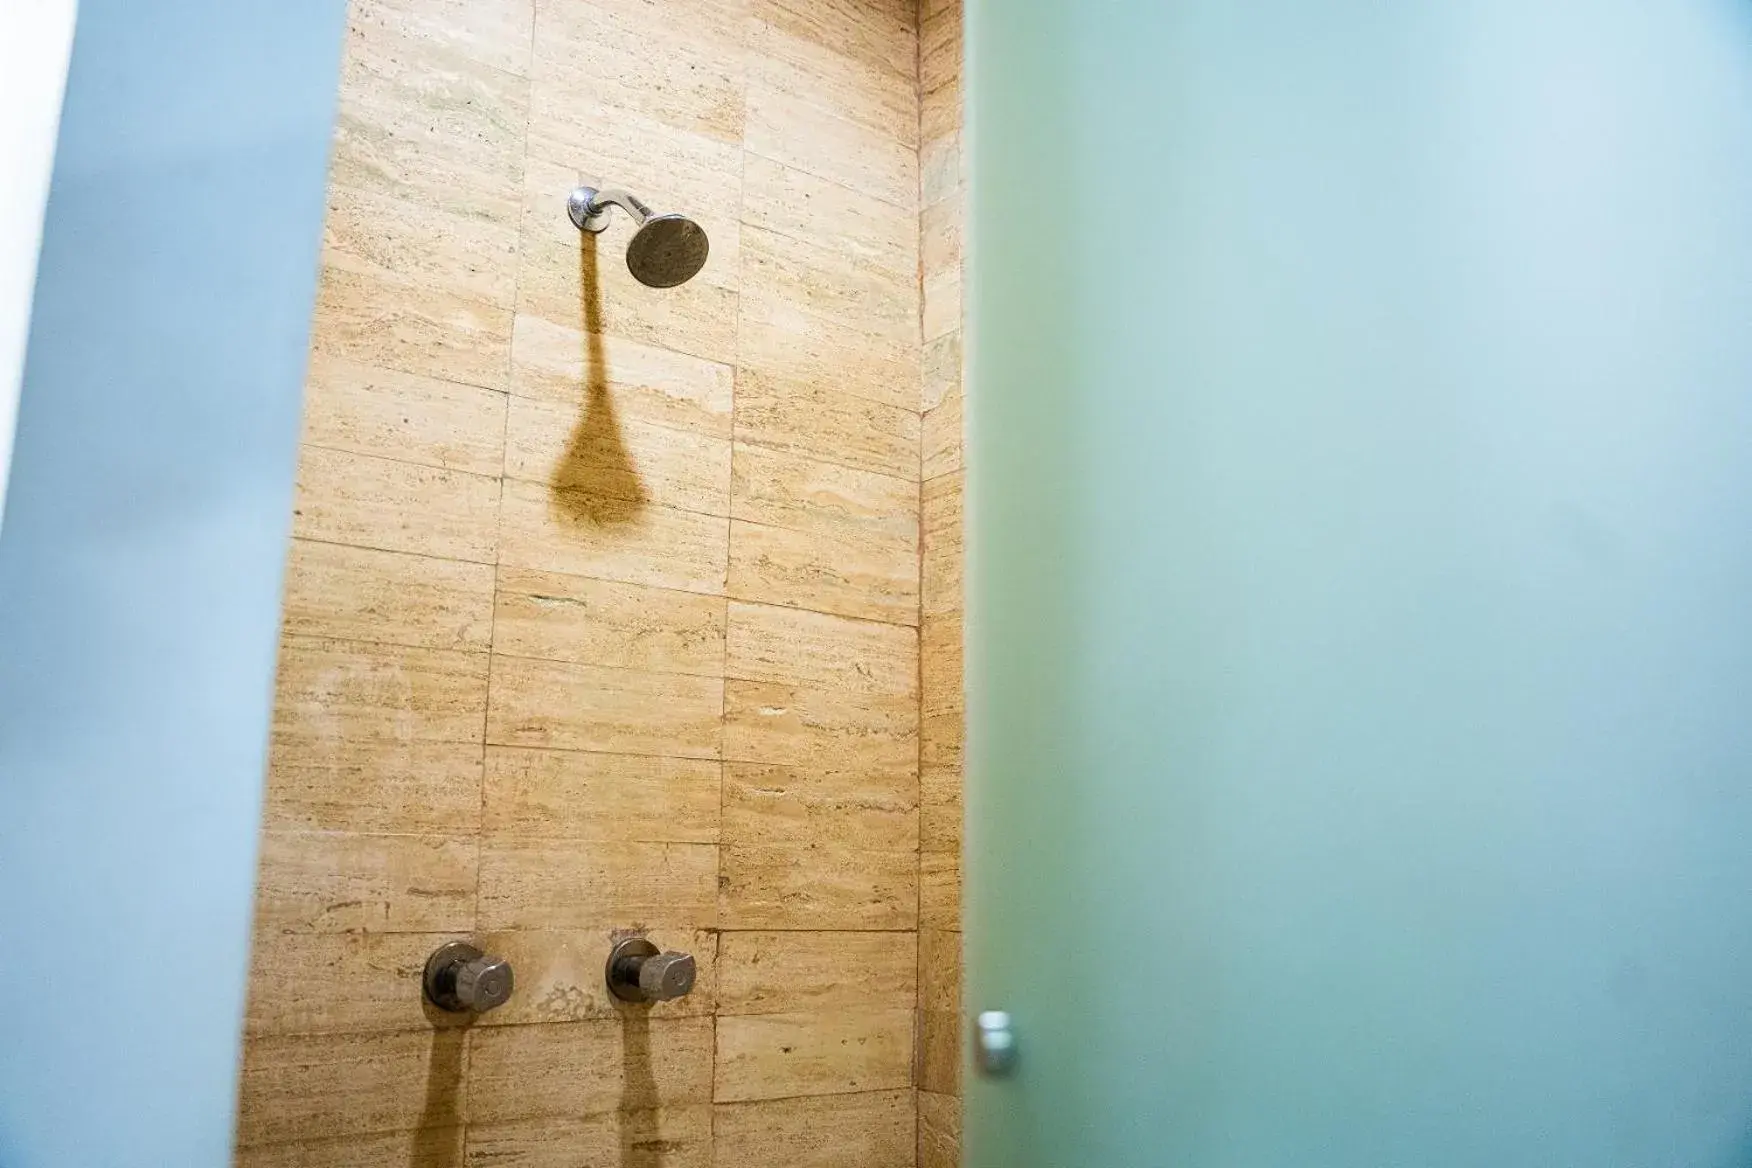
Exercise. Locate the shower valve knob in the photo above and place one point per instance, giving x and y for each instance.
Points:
(639, 972)
(461, 979)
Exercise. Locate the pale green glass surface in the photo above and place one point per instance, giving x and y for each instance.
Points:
(1360, 583)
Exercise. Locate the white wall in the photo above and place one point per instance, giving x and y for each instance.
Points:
(35, 39)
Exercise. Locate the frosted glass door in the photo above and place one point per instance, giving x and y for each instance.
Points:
(1360, 610)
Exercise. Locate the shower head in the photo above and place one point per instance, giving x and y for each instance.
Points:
(665, 251)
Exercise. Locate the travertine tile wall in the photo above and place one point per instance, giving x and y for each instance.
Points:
(942, 201)
(603, 607)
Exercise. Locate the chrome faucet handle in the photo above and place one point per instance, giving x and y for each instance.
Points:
(461, 979)
(639, 972)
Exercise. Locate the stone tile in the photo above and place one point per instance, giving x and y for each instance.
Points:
(561, 364)
(590, 707)
(340, 983)
(801, 134)
(940, 671)
(433, 1147)
(940, 369)
(803, 68)
(873, 807)
(862, 230)
(371, 318)
(338, 694)
(351, 593)
(604, 884)
(940, 970)
(798, 726)
(573, 1070)
(940, 235)
(427, 249)
(492, 32)
(349, 1085)
(941, 310)
(939, 1130)
(395, 506)
(814, 419)
(825, 572)
(558, 617)
(562, 794)
(940, 809)
(339, 882)
(384, 412)
(324, 782)
(786, 973)
(941, 436)
(817, 886)
(782, 489)
(942, 552)
(612, 539)
(588, 448)
(940, 48)
(939, 1052)
(940, 167)
(878, 34)
(941, 110)
(771, 1056)
(560, 978)
(940, 890)
(792, 646)
(869, 1130)
(660, 1137)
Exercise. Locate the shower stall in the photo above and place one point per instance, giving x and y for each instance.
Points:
(613, 800)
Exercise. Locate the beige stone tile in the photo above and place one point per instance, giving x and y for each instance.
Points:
(797, 647)
(802, 417)
(349, 1085)
(771, 1056)
(429, 250)
(808, 314)
(882, 34)
(940, 369)
(939, 1130)
(846, 575)
(591, 707)
(800, 726)
(786, 973)
(873, 807)
(395, 506)
(558, 617)
(338, 882)
(493, 32)
(421, 121)
(803, 68)
(940, 970)
(801, 134)
(612, 539)
(581, 281)
(940, 686)
(667, 1137)
(562, 794)
(870, 1130)
(340, 983)
(940, 167)
(941, 439)
(940, 48)
(942, 739)
(323, 781)
(579, 1069)
(391, 414)
(681, 68)
(818, 886)
(352, 593)
(940, 236)
(940, 811)
(931, 8)
(782, 489)
(940, 890)
(590, 448)
(941, 110)
(939, 1052)
(942, 555)
(344, 693)
(436, 1147)
(864, 231)
(560, 974)
(556, 363)
(941, 311)
(371, 319)
(606, 884)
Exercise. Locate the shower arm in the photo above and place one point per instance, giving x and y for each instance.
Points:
(589, 207)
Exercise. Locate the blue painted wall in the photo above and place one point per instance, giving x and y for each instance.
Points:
(140, 567)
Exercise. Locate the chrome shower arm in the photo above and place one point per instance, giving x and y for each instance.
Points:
(589, 207)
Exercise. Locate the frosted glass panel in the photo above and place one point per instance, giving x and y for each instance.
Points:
(1360, 477)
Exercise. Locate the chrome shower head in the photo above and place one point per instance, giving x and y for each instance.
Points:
(665, 251)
